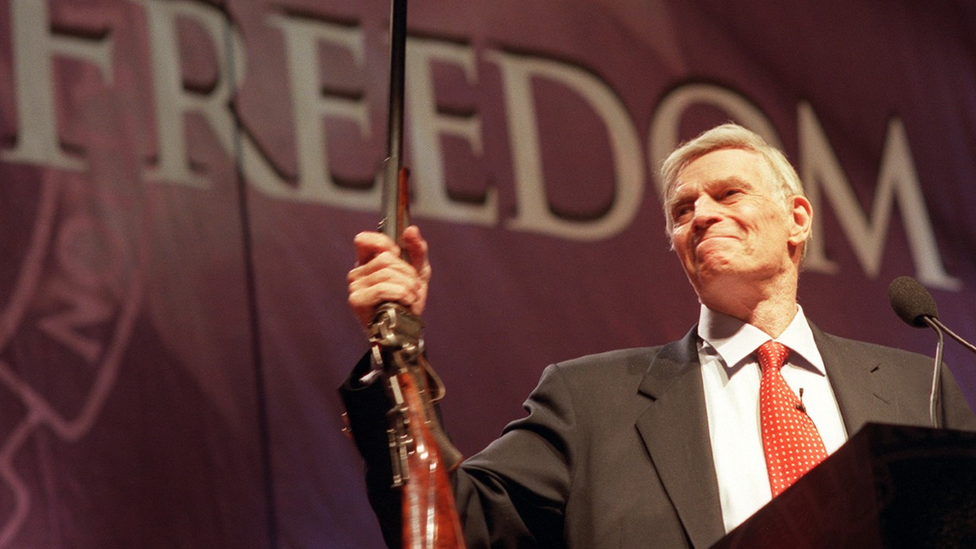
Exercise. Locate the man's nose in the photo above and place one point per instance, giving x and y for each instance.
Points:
(707, 212)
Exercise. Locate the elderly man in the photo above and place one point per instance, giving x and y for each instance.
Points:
(669, 446)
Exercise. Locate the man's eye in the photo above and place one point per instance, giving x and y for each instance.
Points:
(680, 213)
(727, 193)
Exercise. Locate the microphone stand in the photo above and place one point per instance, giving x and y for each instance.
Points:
(931, 321)
(914, 305)
(935, 396)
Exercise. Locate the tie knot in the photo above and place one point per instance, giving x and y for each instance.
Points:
(772, 354)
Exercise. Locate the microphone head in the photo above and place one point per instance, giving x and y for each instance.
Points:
(911, 301)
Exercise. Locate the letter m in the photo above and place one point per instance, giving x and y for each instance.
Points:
(897, 180)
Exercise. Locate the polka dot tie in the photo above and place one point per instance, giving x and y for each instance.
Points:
(790, 439)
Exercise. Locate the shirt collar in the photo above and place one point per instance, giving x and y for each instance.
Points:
(735, 341)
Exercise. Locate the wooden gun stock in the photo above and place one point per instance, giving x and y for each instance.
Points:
(430, 519)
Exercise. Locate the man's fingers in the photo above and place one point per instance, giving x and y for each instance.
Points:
(417, 250)
(385, 261)
(370, 244)
(365, 298)
(370, 297)
(381, 276)
(385, 278)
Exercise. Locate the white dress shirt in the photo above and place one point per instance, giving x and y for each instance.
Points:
(731, 374)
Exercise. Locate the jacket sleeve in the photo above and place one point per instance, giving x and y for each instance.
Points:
(366, 407)
(512, 494)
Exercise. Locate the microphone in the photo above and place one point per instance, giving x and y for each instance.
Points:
(914, 304)
(911, 301)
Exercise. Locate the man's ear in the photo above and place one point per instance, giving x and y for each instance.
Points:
(801, 219)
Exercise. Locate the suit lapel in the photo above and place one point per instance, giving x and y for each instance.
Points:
(854, 374)
(674, 430)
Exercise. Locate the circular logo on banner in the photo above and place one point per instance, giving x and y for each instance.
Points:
(71, 290)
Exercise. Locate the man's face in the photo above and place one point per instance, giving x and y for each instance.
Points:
(731, 221)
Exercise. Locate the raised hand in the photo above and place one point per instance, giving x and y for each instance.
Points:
(382, 276)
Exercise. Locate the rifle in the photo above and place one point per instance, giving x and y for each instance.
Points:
(420, 451)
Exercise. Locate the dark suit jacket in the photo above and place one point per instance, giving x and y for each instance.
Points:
(615, 452)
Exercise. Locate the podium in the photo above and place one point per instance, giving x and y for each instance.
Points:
(888, 487)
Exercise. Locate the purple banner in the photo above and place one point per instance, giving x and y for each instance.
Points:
(180, 183)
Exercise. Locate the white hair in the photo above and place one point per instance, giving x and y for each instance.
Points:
(727, 136)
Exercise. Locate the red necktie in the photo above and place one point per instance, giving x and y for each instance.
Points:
(790, 439)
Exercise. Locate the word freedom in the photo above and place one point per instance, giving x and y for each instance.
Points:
(37, 43)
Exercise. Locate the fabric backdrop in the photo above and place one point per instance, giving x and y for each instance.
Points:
(181, 180)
